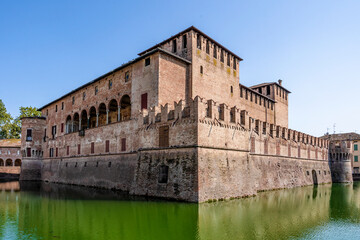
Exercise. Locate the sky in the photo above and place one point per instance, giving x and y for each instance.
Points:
(48, 48)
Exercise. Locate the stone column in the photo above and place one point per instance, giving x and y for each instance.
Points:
(97, 119)
(107, 116)
(88, 122)
(118, 114)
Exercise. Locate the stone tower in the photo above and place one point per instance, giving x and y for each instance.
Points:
(340, 164)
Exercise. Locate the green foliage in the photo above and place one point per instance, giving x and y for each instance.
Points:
(10, 127)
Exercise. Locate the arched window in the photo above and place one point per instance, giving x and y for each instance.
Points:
(17, 162)
(68, 124)
(113, 111)
(102, 114)
(1, 162)
(76, 122)
(84, 120)
(9, 162)
(125, 108)
(92, 117)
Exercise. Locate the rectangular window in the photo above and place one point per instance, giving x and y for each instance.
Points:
(215, 51)
(57, 152)
(163, 174)
(84, 95)
(55, 108)
(184, 41)
(123, 144)
(107, 146)
(144, 101)
(207, 47)
(147, 61)
(62, 106)
(174, 47)
(73, 100)
(110, 84)
(28, 134)
(355, 147)
(241, 92)
(51, 152)
(356, 158)
(67, 150)
(267, 90)
(53, 131)
(96, 90)
(92, 147)
(62, 127)
(28, 152)
(222, 56)
(79, 149)
(228, 60)
(234, 63)
(164, 136)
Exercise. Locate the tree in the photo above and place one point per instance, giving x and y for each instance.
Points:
(5, 121)
(11, 128)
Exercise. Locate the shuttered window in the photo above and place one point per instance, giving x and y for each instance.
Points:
(79, 149)
(92, 147)
(144, 100)
(164, 136)
(107, 146)
(123, 144)
(67, 150)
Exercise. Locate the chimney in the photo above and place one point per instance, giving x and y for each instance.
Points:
(280, 82)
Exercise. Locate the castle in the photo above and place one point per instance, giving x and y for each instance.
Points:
(174, 123)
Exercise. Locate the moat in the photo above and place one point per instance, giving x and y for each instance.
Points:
(52, 211)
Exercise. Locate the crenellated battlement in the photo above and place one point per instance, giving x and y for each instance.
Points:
(220, 114)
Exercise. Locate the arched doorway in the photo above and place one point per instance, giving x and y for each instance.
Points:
(102, 114)
(9, 162)
(113, 111)
(76, 122)
(314, 176)
(84, 121)
(17, 162)
(68, 124)
(125, 108)
(1, 162)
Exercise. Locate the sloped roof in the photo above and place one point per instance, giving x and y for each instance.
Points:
(10, 142)
(342, 136)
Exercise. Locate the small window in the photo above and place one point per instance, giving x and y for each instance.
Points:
(62, 128)
(215, 51)
(228, 60)
(110, 84)
(267, 90)
(355, 147)
(96, 90)
(163, 174)
(198, 41)
(260, 90)
(356, 158)
(67, 150)
(201, 70)
(57, 152)
(55, 108)
(144, 100)
(73, 100)
(241, 92)
(174, 47)
(127, 76)
(234, 63)
(79, 149)
(28, 134)
(231, 90)
(47, 112)
(222, 56)
(207, 47)
(62, 106)
(84, 95)
(184, 41)
(147, 61)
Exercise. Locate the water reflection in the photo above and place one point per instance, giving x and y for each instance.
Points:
(52, 211)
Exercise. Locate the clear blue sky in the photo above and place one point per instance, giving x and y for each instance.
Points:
(48, 48)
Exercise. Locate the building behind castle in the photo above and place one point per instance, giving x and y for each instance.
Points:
(174, 123)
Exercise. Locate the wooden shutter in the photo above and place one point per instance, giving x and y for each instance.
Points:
(92, 147)
(123, 144)
(164, 136)
(107, 146)
(144, 101)
(28, 152)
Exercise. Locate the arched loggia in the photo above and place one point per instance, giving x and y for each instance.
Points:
(68, 124)
(92, 117)
(76, 122)
(84, 120)
(125, 108)
(113, 111)
(102, 114)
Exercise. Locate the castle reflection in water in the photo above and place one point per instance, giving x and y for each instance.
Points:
(41, 210)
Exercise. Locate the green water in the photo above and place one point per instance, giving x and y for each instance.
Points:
(50, 211)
